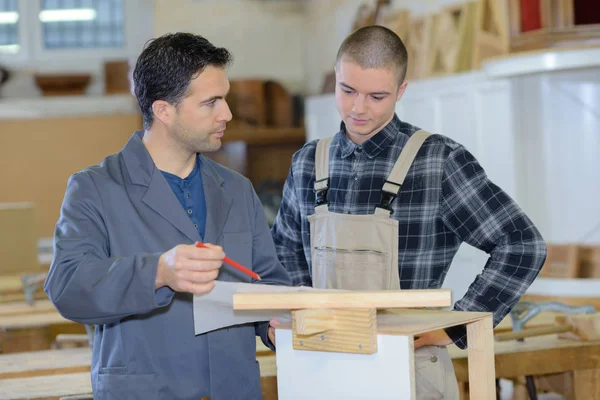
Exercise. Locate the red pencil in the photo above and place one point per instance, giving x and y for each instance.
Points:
(234, 264)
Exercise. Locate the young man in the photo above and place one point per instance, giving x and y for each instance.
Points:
(125, 258)
(384, 205)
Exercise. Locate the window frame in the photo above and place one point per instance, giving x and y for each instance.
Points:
(138, 28)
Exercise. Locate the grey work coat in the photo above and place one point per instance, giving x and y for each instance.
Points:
(116, 219)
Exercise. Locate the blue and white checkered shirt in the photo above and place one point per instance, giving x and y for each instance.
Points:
(446, 199)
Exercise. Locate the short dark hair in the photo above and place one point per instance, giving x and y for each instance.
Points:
(168, 64)
(375, 46)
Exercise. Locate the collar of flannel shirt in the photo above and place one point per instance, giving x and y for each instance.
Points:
(374, 145)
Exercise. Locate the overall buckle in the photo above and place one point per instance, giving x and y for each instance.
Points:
(386, 201)
(321, 197)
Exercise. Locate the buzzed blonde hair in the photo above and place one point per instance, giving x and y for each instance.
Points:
(375, 46)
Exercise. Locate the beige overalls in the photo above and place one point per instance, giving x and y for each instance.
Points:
(360, 252)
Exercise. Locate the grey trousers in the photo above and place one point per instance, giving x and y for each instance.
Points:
(434, 374)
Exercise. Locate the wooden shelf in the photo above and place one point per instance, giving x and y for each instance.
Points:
(264, 136)
(343, 299)
(543, 60)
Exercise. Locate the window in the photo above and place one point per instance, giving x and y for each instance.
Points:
(9, 26)
(68, 24)
(71, 34)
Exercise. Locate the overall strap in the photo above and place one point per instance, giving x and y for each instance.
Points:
(322, 171)
(394, 182)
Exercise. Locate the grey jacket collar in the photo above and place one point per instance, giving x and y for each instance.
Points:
(159, 196)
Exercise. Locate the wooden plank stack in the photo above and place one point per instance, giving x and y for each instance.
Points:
(456, 39)
(543, 24)
(462, 36)
(572, 261)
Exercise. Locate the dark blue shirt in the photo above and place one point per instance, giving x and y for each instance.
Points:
(190, 193)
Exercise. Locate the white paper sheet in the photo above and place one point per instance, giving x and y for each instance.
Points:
(214, 310)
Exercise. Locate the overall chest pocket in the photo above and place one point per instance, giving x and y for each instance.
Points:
(351, 269)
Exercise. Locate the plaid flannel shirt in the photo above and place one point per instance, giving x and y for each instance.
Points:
(446, 199)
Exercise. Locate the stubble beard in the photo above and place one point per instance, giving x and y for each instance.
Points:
(195, 141)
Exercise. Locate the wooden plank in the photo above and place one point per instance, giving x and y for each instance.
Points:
(32, 320)
(481, 359)
(500, 17)
(491, 30)
(354, 330)
(546, 14)
(50, 362)
(514, 17)
(466, 38)
(445, 45)
(417, 321)
(562, 261)
(20, 297)
(525, 333)
(546, 318)
(571, 301)
(342, 299)
(32, 332)
(38, 338)
(419, 45)
(399, 22)
(11, 288)
(550, 342)
(21, 340)
(70, 340)
(452, 40)
(567, 13)
(268, 365)
(41, 387)
(584, 327)
(414, 322)
(18, 238)
(535, 356)
(586, 384)
(269, 387)
(21, 307)
(11, 284)
(589, 262)
(309, 322)
(490, 42)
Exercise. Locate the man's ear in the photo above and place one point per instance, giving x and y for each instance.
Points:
(401, 90)
(163, 111)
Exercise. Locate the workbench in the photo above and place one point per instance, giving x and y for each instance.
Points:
(543, 355)
(25, 327)
(48, 362)
(11, 289)
(65, 367)
(535, 356)
(47, 387)
(22, 308)
(45, 375)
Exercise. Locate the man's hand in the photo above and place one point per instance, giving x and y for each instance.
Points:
(187, 268)
(272, 325)
(433, 338)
